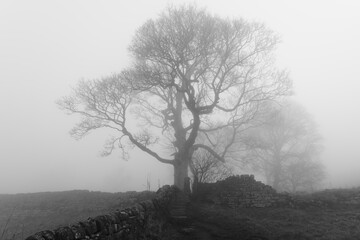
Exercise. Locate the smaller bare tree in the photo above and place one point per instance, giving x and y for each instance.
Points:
(206, 168)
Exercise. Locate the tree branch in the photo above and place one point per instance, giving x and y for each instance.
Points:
(210, 150)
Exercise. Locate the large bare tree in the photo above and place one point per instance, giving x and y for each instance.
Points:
(191, 73)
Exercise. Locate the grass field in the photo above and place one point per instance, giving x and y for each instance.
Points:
(24, 214)
(278, 223)
(327, 215)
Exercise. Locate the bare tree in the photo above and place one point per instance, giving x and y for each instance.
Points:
(285, 147)
(304, 174)
(206, 168)
(192, 73)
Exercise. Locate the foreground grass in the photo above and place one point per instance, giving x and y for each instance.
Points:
(24, 214)
(278, 223)
(319, 216)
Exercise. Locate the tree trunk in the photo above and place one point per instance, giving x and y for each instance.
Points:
(195, 184)
(277, 175)
(276, 181)
(180, 173)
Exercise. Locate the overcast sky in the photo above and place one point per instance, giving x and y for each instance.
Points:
(47, 46)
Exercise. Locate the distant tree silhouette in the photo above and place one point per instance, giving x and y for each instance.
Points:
(285, 148)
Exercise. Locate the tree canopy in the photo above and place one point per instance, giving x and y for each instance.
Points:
(192, 73)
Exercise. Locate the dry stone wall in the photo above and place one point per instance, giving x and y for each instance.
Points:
(143, 221)
(241, 191)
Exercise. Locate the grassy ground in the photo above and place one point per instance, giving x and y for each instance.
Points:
(24, 214)
(278, 223)
(326, 215)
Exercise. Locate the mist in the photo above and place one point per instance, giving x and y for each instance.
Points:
(47, 47)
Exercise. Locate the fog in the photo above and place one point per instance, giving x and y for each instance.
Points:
(46, 47)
